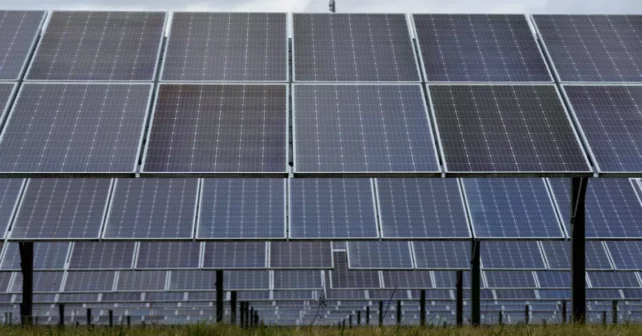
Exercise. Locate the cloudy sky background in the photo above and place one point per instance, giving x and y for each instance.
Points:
(404, 6)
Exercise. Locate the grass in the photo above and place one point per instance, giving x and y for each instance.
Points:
(207, 330)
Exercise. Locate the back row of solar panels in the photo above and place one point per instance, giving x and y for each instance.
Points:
(348, 209)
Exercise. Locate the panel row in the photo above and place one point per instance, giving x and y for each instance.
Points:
(338, 209)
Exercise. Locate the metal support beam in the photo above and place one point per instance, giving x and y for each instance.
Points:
(398, 312)
(61, 314)
(359, 318)
(26, 266)
(578, 249)
(129, 321)
(459, 310)
(242, 313)
(233, 307)
(219, 296)
(251, 315)
(368, 315)
(256, 318)
(604, 317)
(350, 321)
(563, 311)
(380, 313)
(527, 314)
(89, 317)
(475, 285)
(500, 318)
(111, 318)
(614, 312)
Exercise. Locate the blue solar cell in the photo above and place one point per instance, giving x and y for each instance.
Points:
(555, 294)
(421, 208)
(43, 282)
(18, 33)
(603, 294)
(434, 255)
(554, 279)
(47, 256)
(343, 278)
(89, 281)
(379, 255)
(298, 255)
(515, 294)
(246, 280)
(332, 208)
(613, 208)
(613, 280)
(192, 280)
(626, 254)
(509, 279)
(448, 279)
(235, 255)
(242, 208)
(136, 281)
(558, 255)
(9, 198)
(511, 255)
(168, 255)
(407, 279)
(102, 256)
(297, 279)
(511, 208)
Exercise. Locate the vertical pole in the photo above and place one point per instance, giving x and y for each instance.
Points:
(398, 312)
(243, 314)
(61, 314)
(256, 318)
(604, 317)
(614, 312)
(26, 266)
(527, 314)
(89, 317)
(129, 321)
(500, 318)
(350, 321)
(380, 313)
(251, 317)
(578, 249)
(359, 318)
(247, 315)
(422, 308)
(563, 311)
(233, 307)
(459, 314)
(368, 315)
(219, 296)
(475, 285)
(111, 318)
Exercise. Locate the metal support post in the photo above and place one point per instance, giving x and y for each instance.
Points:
(233, 307)
(219, 296)
(26, 266)
(475, 285)
(578, 248)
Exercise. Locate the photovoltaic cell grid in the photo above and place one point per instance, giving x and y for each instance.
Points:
(479, 48)
(379, 255)
(102, 256)
(511, 208)
(343, 278)
(43, 282)
(9, 198)
(554, 279)
(246, 280)
(362, 128)
(297, 279)
(218, 129)
(434, 255)
(511, 255)
(421, 208)
(626, 254)
(168, 255)
(242, 208)
(89, 281)
(505, 129)
(510, 279)
(109, 46)
(301, 255)
(613, 208)
(332, 209)
(53, 209)
(613, 280)
(558, 255)
(353, 48)
(47, 256)
(230, 255)
(152, 209)
(75, 128)
(192, 280)
(18, 31)
(141, 281)
(407, 279)
(227, 47)
(593, 48)
(609, 118)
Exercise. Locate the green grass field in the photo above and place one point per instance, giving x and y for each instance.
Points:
(202, 330)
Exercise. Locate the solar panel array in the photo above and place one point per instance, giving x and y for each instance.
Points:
(18, 33)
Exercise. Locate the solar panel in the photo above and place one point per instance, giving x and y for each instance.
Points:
(242, 208)
(43, 282)
(353, 128)
(246, 280)
(137, 281)
(75, 128)
(515, 294)
(108, 46)
(613, 280)
(510, 279)
(593, 48)
(10, 190)
(297, 279)
(46, 256)
(163, 297)
(152, 209)
(102, 256)
(224, 128)
(606, 117)
(511, 255)
(253, 295)
(558, 255)
(192, 280)
(120, 297)
(54, 209)
(613, 208)
(353, 48)
(434, 255)
(332, 209)
(626, 254)
(510, 129)
(343, 278)
(230, 255)
(479, 48)
(6, 91)
(554, 279)
(603, 294)
(227, 47)
(511, 208)
(301, 255)
(292, 295)
(379, 255)
(18, 33)
(421, 208)
(5, 281)
(387, 294)
(89, 281)
(407, 279)
(168, 255)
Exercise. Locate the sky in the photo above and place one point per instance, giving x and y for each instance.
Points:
(355, 6)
